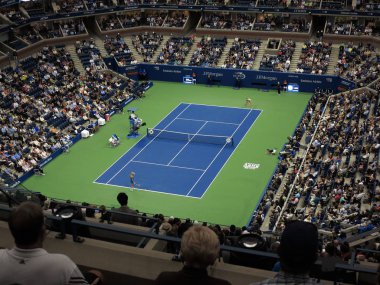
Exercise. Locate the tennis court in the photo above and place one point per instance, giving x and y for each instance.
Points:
(184, 153)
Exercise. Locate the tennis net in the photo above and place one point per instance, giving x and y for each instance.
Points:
(171, 135)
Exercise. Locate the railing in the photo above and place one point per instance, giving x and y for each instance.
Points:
(248, 254)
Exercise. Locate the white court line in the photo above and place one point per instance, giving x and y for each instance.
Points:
(229, 107)
(189, 141)
(218, 155)
(230, 155)
(217, 122)
(174, 166)
(130, 148)
(147, 144)
(147, 190)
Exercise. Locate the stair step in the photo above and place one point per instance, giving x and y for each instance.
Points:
(77, 63)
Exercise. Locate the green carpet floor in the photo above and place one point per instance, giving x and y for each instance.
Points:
(234, 193)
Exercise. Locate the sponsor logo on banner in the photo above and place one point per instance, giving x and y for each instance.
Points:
(239, 75)
(251, 166)
(214, 74)
(263, 77)
(171, 71)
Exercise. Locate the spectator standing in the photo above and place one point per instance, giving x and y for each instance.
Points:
(28, 263)
(298, 252)
(200, 248)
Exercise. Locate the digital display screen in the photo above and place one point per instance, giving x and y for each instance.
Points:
(293, 87)
(187, 79)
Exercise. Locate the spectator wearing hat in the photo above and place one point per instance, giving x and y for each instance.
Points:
(165, 228)
(200, 248)
(298, 252)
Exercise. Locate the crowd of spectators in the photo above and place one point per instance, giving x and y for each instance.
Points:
(338, 28)
(242, 54)
(131, 20)
(146, 44)
(367, 5)
(48, 30)
(33, 33)
(35, 8)
(211, 2)
(89, 55)
(216, 21)
(304, 4)
(290, 160)
(117, 48)
(351, 56)
(98, 4)
(268, 22)
(73, 27)
(44, 103)
(336, 5)
(296, 25)
(13, 14)
(154, 1)
(244, 22)
(281, 61)
(175, 50)
(337, 185)
(176, 19)
(68, 6)
(315, 57)
(155, 19)
(208, 52)
(109, 22)
(269, 3)
(340, 173)
(29, 34)
(367, 28)
(359, 63)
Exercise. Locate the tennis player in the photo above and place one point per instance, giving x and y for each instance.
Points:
(248, 102)
(132, 179)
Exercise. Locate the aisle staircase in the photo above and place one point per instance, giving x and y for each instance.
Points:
(135, 53)
(259, 56)
(191, 51)
(333, 59)
(77, 63)
(225, 52)
(100, 45)
(296, 56)
(159, 49)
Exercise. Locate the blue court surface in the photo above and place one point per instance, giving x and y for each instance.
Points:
(184, 153)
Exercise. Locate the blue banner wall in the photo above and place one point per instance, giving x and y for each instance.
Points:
(232, 77)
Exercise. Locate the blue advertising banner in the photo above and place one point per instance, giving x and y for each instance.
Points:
(238, 78)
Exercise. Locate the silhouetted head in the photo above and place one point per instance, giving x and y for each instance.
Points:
(122, 198)
(298, 249)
